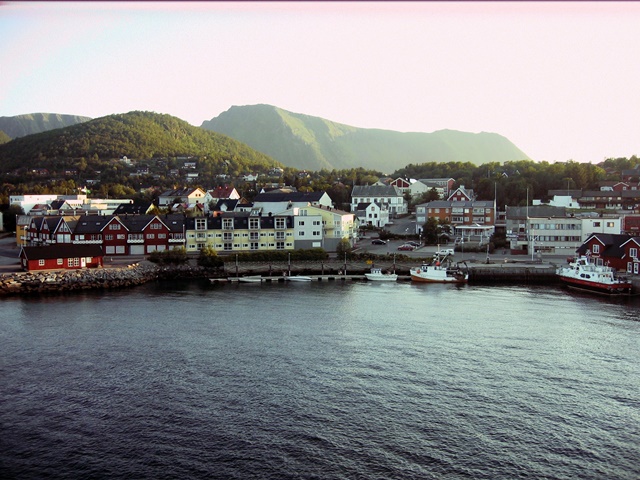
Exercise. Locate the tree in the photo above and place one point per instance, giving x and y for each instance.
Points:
(430, 231)
(343, 247)
(9, 217)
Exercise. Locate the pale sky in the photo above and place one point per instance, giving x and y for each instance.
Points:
(558, 79)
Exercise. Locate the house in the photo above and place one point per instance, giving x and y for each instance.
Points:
(185, 195)
(421, 186)
(462, 194)
(61, 256)
(388, 197)
(371, 214)
(613, 250)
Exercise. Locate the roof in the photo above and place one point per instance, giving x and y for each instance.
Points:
(611, 241)
(535, 211)
(91, 223)
(289, 197)
(376, 191)
(221, 192)
(61, 250)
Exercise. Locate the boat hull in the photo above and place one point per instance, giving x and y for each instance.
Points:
(619, 288)
(427, 279)
(381, 277)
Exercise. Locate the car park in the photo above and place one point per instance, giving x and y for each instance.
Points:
(378, 241)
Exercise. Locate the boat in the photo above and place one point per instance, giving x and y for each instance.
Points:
(376, 275)
(583, 273)
(250, 279)
(298, 278)
(439, 270)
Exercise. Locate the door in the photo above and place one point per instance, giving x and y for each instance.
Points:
(136, 250)
(83, 262)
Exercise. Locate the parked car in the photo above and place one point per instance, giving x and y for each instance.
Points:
(378, 241)
(446, 251)
(406, 246)
(415, 244)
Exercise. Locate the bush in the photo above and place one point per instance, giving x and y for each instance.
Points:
(208, 258)
(175, 256)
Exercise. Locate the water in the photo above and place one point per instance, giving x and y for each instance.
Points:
(320, 381)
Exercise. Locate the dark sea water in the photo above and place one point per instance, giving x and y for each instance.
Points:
(320, 381)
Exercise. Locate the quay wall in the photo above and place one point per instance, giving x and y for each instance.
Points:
(130, 275)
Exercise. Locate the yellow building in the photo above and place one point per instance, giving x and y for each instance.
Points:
(239, 232)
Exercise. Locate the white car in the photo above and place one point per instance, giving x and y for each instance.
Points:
(446, 251)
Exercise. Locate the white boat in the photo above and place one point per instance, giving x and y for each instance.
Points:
(438, 271)
(376, 275)
(298, 278)
(584, 274)
(250, 279)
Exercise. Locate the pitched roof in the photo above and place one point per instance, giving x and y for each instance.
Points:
(376, 191)
(61, 250)
(289, 197)
(222, 192)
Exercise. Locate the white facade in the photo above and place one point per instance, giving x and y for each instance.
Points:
(389, 197)
(611, 225)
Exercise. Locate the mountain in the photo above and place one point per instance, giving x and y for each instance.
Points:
(22, 125)
(137, 135)
(313, 143)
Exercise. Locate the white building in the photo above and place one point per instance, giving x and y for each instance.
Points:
(388, 197)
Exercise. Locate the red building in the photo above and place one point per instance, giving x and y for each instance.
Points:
(61, 256)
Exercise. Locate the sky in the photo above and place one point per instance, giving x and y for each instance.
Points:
(558, 79)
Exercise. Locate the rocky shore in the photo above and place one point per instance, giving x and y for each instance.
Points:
(61, 281)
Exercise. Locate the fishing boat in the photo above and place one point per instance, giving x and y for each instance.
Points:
(377, 275)
(585, 274)
(439, 270)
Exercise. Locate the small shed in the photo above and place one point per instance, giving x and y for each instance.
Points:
(61, 256)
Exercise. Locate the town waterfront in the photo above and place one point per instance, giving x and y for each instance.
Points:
(322, 380)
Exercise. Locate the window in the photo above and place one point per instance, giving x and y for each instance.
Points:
(254, 235)
(228, 246)
(201, 223)
(121, 236)
(301, 223)
(114, 226)
(281, 223)
(633, 252)
(279, 235)
(596, 249)
(162, 235)
(41, 262)
(254, 223)
(279, 245)
(156, 226)
(108, 237)
(227, 223)
(227, 236)
(254, 245)
(60, 262)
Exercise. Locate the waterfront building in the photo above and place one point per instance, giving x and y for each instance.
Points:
(472, 221)
(323, 227)
(239, 232)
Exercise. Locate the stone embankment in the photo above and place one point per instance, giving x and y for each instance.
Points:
(59, 281)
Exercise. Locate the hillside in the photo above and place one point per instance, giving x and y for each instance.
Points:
(313, 143)
(137, 135)
(22, 125)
